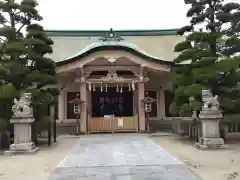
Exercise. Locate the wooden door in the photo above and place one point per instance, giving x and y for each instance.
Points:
(111, 108)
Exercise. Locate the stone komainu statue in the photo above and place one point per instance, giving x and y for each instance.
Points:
(210, 102)
(22, 107)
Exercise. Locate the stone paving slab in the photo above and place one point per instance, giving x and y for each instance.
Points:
(120, 157)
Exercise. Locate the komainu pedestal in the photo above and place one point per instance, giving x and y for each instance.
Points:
(210, 117)
(22, 120)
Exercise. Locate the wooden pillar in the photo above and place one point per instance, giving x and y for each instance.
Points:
(89, 108)
(83, 97)
(141, 111)
(162, 102)
(61, 106)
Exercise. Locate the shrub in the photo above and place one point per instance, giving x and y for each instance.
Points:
(42, 124)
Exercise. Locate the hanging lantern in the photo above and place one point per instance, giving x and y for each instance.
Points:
(94, 87)
(117, 88)
(121, 89)
(89, 86)
(101, 87)
(133, 86)
(129, 87)
(106, 88)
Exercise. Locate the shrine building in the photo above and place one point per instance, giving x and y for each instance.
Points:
(112, 71)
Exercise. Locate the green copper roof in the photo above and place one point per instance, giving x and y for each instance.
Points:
(98, 33)
(112, 45)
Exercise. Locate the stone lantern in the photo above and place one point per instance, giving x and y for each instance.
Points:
(77, 111)
(148, 101)
(210, 116)
(22, 120)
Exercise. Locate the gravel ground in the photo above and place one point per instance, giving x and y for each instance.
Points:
(35, 166)
(208, 164)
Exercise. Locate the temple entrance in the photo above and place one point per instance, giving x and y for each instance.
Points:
(119, 104)
(112, 111)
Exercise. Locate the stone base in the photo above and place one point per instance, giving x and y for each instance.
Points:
(211, 143)
(32, 151)
(21, 148)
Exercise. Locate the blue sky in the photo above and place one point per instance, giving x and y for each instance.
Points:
(116, 14)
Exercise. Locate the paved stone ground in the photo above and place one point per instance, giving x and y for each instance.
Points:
(120, 157)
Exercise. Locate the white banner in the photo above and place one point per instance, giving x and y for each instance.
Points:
(120, 122)
(107, 116)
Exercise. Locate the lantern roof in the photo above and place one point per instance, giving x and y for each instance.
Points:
(76, 100)
(148, 100)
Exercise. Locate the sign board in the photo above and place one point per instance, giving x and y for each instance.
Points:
(148, 107)
(107, 116)
(76, 109)
(120, 122)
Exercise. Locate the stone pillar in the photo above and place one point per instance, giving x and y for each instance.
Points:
(162, 103)
(61, 106)
(83, 116)
(141, 111)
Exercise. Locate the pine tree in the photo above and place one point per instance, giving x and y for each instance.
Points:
(201, 63)
(231, 50)
(42, 70)
(232, 33)
(23, 49)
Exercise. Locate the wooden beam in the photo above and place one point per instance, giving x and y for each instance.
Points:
(89, 69)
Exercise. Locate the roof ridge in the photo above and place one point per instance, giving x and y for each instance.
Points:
(88, 33)
(106, 30)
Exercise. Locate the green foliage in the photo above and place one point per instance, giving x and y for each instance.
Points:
(174, 109)
(43, 124)
(23, 63)
(7, 91)
(232, 34)
(196, 105)
(185, 110)
(207, 57)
